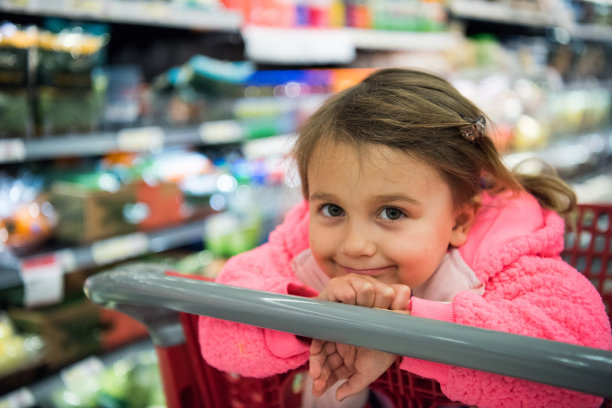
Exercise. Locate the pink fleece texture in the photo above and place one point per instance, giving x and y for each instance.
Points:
(513, 248)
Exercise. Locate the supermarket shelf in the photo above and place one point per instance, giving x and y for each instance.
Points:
(111, 250)
(39, 273)
(403, 40)
(298, 46)
(144, 139)
(498, 12)
(592, 32)
(307, 46)
(572, 158)
(153, 13)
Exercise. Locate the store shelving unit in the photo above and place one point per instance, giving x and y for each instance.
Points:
(505, 13)
(591, 32)
(138, 139)
(38, 269)
(134, 12)
(308, 46)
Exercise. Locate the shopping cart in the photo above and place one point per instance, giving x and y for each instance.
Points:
(168, 305)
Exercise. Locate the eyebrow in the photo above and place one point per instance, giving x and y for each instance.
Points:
(322, 197)
(397, 197)
(379, 199)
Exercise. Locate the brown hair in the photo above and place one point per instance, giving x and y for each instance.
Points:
(426, 117)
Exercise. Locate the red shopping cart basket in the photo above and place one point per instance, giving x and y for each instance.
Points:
(589, 248)
(140, 289)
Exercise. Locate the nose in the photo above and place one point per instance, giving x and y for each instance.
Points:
(358, 241)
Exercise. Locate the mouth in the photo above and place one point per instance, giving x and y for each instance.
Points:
(367, 271)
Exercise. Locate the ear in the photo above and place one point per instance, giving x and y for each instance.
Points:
(464, 218)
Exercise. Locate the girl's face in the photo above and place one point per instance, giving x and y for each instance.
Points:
(384, 214)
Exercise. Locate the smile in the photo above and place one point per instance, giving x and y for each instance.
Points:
(370, 272)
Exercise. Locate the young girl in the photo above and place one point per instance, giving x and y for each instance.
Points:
(408, 207)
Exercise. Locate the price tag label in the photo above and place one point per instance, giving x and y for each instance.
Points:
(12, 150)
(141, 139)
(221, 131)
(156, 11)
(93, 7)
(117, 249)
(15, 3)
(67, 260)
(43, 280)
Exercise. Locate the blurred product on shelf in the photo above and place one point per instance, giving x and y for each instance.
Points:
(45, 339)
(396, 15)
(229, 234)
(87, 213)
(592, 12)
(18, 350)
(527, 99)
(16, 57)
(264, 102)
(127, 193)
(27, 218)
(130, 382)
(50, 82)
(70, 330)
(124, 105)
(70, 88)
(202, 263)
(203, 89)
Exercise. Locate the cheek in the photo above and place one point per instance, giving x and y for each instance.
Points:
(320, 242)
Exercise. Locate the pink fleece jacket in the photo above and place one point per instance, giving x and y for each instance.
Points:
(513, 248)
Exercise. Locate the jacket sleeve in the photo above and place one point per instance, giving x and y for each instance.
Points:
(248, 350)
(534, 296)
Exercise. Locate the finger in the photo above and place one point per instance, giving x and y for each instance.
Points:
(320, 386)
(314, 365)
(340, 290)
(365, 291)
(335, 361)
(348, 353)
(317, 359)
(316, 345)
(384, 296)
(324, 381)
(354, 385)
(329, 348)
(401, 298)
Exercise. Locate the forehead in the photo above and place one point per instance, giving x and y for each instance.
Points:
(339, 166)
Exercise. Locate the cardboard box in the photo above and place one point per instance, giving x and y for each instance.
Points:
(70, 330)
(164, 202)
(86, 215)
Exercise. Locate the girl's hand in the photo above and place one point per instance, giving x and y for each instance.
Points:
(367, 291)
(331, 362)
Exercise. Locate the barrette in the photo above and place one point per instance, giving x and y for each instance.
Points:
(474, 130)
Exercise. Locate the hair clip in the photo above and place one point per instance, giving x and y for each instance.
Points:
(475, 130)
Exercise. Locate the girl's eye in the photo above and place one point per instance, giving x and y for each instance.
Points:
(391, 213)
(332, 210)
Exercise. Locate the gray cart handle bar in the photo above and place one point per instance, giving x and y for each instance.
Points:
(146, 293)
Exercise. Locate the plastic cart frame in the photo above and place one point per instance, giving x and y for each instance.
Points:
(168, 305)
